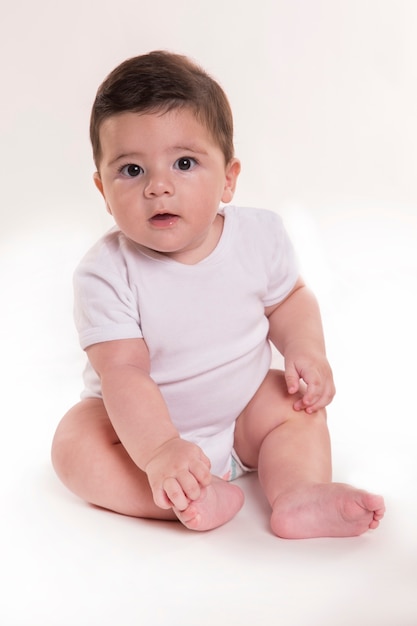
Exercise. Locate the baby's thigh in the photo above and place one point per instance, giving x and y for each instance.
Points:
(270, 407)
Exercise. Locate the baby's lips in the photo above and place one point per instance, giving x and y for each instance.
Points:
(163, 216)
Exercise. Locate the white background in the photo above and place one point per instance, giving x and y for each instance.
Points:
(324, 94)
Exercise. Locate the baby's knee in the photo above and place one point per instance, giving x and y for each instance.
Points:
(64, 445)
(85, 427)
(270, 408)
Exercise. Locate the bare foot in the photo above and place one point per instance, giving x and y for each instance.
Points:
(326, 510)
(219, 503)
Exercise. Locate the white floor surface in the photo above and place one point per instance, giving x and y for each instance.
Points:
(65, 563)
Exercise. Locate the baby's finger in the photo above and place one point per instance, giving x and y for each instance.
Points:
(310, 401)
(292, 379)
(204, 458)
(321, 404)
(201, 472)
(302, 405)
(160, 498)
(189, 485)
(315, 402)
(175, 494)
(310, 396)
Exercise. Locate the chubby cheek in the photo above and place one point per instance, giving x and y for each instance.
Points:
(124, 221)
(121, 205)
(132, 222)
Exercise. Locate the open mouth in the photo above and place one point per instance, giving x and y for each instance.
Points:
(161, 217)
(162, 220)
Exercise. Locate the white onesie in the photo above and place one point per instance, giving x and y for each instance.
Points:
(204, 324)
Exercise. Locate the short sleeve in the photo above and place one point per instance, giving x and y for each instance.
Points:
(282, 269)
(105, 307)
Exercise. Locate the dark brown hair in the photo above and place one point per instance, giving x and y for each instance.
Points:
(159, 82)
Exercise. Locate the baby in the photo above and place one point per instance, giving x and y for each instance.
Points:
(176, 308)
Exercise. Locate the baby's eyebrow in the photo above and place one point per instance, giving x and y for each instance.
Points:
(126, 156)
(189, 148)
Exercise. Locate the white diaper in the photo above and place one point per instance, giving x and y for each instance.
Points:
(237, 468)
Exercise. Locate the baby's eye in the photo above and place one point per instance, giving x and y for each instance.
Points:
(185, 163)
(131, 170)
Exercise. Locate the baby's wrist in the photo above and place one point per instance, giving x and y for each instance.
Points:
(157, 450)
(302, 349)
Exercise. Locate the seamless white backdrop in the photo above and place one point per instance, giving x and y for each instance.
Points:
(324, 96)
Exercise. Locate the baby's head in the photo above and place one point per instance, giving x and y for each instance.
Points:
(159, 82)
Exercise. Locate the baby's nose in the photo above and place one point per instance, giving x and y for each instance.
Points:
(159, 185)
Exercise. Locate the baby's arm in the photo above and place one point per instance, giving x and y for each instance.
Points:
(296, 330)
(177, 470)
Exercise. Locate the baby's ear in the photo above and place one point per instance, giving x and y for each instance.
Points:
(232, 173)
(99, 184)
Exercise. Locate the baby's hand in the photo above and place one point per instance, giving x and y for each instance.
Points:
(318, 378)
(177, 473)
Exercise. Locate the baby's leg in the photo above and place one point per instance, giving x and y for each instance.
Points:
(292, 452)
(90, 460)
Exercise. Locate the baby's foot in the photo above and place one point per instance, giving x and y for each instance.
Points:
(217, 505)
(326, 510)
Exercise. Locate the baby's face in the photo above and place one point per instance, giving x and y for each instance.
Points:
(163, 177)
